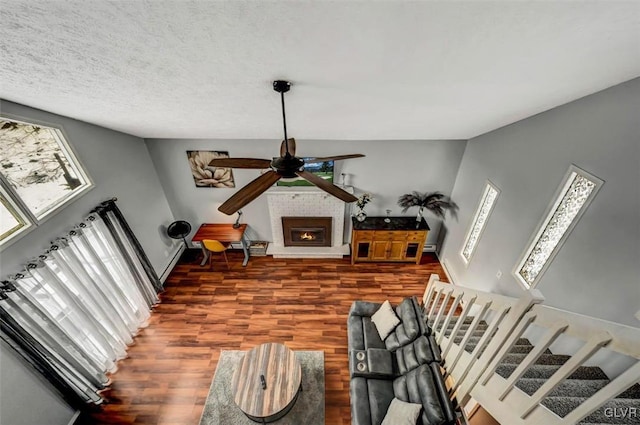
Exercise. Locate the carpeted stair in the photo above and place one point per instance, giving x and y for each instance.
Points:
(475, 337)
(574, 390)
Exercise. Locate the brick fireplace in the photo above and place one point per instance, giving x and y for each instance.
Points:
(301, 205)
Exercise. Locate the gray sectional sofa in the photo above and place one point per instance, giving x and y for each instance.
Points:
(406, 366)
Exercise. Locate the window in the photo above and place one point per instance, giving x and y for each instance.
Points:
(574, 195)
(12, 221)
(38, 175)
(480, 219)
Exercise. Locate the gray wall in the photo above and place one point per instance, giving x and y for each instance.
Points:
(25, 396)
(120, 166)
(390, 169)
(597, 270)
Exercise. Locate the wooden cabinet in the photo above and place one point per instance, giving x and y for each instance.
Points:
(401, 240)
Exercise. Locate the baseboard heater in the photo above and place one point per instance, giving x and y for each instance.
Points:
(430, 247)
(172, 263)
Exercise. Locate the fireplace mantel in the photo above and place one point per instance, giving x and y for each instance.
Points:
(306, 202)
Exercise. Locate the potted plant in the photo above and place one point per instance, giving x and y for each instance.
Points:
(435, 202)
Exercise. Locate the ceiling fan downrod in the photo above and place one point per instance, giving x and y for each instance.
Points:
(282, 87)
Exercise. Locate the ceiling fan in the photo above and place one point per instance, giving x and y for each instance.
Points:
(287, 165)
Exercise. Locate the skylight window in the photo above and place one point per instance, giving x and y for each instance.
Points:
(488, 200)
(39, 174)
(575, 194)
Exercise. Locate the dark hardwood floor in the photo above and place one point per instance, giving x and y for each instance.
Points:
(302, 303)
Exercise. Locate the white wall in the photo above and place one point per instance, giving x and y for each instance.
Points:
(390, 169)
(120, 167)
(597, 270)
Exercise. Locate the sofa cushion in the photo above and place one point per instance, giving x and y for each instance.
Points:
(370, 400)
(385, 320)
(414, 354)
(402, 413)
(363, 308)
(411, 326)
(425, 385)
(361, 332)
(380, 396)
(359, 393)
(371, 336)
(355, 333)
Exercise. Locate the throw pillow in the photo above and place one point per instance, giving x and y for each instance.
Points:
(402, 413)
(385, 320)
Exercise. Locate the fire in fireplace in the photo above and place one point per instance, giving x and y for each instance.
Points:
(307, 231)
(308, 236)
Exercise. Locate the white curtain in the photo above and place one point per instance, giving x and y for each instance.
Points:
(83, 301)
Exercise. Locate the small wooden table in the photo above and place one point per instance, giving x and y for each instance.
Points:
(225, 233)
(283, 378)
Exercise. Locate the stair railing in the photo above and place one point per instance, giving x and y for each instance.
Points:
(455, 313)
(508, 404)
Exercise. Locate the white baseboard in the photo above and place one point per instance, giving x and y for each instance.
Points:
(74, 418)
(447, 271)
(174, 260)
(308, 252)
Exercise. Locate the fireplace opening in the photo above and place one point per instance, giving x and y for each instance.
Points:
(307, 231)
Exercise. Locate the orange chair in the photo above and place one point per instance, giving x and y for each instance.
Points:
(213, 246)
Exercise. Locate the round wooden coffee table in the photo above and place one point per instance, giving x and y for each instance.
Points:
(275, 367)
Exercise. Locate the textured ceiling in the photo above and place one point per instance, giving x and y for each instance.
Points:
(360, 70)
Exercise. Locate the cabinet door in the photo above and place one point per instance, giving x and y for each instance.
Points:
(396, 250)
(362, 250)
(412, 250)
(379, 250)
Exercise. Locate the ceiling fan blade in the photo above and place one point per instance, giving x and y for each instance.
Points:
(327, 186)
(249, 192)
(292, 147)
(240, 163)
(334, 158)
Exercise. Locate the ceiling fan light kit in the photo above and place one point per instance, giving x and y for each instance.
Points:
(286, 166)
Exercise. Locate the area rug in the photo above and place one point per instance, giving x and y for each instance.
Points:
(219, 409)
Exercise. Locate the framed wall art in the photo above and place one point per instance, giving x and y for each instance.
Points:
(205, 175)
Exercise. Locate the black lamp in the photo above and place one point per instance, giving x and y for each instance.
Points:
(180, 230)
(237, 223)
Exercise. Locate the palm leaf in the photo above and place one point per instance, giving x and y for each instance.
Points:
(435, 202)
